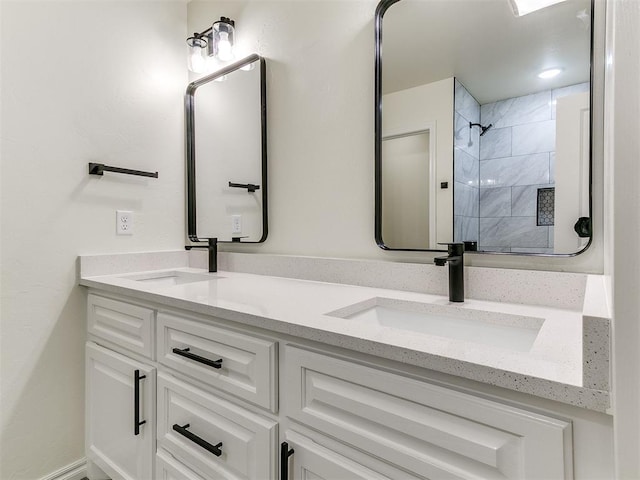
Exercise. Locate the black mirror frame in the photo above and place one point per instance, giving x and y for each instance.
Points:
(190, 145)
(381, 9)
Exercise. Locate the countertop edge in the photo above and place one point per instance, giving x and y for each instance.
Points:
(590, 399)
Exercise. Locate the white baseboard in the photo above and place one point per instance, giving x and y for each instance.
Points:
(75, 471)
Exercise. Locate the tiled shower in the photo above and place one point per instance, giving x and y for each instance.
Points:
(498, 175)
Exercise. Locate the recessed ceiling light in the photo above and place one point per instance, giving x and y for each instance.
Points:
(524, 7)
(550, 73)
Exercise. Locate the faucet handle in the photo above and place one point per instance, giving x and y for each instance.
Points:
(454, 248)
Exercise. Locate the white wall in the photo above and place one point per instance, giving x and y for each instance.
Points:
(81, 81)
(320, 101)
(419, 108)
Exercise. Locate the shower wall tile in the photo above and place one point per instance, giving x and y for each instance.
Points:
(517, 111)
(524, 200)
(534, 138)
(465, 229)
(466, 168)
(532, 250)
(495, 202)
(521, 232)
(495, 143)
(465, 138)
(552, 167)
(492, 248)
(465, 104)
(520, 170)
(466, 199)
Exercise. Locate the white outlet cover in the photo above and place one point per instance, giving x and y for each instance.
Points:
(236, 223)
(124, 222)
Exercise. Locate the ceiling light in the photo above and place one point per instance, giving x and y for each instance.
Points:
(524, 7)
(549, 73)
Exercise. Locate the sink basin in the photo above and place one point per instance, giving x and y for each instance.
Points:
(174, 277)
(512, 332)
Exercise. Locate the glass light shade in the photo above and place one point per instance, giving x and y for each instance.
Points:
(223, 38)
(196, 60)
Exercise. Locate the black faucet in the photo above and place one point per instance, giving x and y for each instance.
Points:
(212, 246)
(455, 259)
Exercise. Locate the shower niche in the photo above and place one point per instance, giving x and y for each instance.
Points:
(476, 139)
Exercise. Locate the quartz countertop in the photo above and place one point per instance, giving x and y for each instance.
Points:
(552, 368)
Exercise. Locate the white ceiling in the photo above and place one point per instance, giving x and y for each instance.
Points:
(495, 54)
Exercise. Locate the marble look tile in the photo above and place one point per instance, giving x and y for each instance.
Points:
(532, 250)
(518, 232)
(466, 200)
(465, 104)
(517, 111)
(534, 138)
(466, 169)
(551, 237)
(488, 248)
(524, 200)
(565, 91)
(495, 202)
(465, 138)
(521, 170)
(465, 229)
(496, 143)
(552, 167)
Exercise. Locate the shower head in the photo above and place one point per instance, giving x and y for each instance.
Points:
(483, 129)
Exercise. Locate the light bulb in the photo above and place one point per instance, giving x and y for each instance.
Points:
(550, 73)
(225, 52)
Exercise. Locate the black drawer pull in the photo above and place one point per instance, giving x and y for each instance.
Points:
(136, 402)
(192, 356)
(285, 453)
(182, 430)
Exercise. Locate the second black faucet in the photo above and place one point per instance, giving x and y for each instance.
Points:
(455, 259)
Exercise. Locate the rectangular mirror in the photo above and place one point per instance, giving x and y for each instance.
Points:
(483, 126)
(227, 154)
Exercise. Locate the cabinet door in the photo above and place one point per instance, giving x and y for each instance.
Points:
(311, 461)
(120, 392)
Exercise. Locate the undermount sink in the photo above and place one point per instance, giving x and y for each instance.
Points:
(513, 332)
(173, 277)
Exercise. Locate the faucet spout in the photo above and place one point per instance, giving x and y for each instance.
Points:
(455, 259)
(212, 247)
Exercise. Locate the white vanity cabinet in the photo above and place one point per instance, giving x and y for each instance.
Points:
(215, 408)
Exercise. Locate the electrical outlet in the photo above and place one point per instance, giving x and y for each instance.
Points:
(124, 222)
(236, 223)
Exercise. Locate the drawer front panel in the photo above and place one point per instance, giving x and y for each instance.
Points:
(129, 326)
(248, 449)
(247, 369)
(430, 430)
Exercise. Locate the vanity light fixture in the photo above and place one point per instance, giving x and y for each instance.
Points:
(214, 42)
(524, 7)
(549, 73)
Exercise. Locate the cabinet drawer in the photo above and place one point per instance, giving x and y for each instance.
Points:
(192, 424)
(247, 367)
(129, 326)
(427, 429)
(168, 468)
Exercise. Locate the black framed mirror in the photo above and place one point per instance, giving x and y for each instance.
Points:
(226, 154)
(476, 140)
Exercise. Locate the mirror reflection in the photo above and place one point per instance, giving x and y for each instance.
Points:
(226, 154)
(484, 129)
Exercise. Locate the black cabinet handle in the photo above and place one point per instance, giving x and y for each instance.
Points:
(182, 430)
(136, 402)
(285, 453)
(192, 356)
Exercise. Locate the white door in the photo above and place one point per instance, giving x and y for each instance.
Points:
(311, 461)
(113, 408)
(571, 171)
